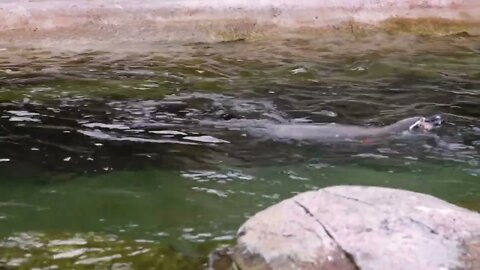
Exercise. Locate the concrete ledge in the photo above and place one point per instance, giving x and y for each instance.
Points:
(50, 22)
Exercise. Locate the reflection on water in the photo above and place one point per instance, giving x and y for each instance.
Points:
(87, 251)
(145, 160)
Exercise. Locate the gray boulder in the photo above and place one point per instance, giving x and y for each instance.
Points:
(353, 227)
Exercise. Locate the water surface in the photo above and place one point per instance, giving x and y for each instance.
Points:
(136, 160)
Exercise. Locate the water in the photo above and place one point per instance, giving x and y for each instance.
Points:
(136, 159)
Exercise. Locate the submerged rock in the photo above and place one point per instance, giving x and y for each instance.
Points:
(353, 227)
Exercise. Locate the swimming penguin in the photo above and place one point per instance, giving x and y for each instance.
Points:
(339, 132)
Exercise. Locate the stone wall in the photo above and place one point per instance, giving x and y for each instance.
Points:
(76, 22)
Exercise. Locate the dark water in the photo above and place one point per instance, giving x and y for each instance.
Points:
(129, 160)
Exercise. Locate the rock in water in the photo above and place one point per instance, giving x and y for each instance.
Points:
(353, 227)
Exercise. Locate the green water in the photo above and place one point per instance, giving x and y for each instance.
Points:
(98, 169)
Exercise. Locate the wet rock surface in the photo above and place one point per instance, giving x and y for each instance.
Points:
(353, 227)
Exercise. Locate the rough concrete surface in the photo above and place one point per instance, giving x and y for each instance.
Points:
(77, 22)
(353, 227)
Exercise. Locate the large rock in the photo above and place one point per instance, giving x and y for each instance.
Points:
(352, 227)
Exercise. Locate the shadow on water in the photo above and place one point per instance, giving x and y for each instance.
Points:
(144, 160)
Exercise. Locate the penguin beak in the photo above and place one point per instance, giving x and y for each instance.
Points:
(427, 124)
(417, 124)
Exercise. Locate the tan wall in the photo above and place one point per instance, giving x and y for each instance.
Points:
(75, 22)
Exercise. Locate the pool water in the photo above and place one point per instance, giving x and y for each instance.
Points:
(134, 159)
